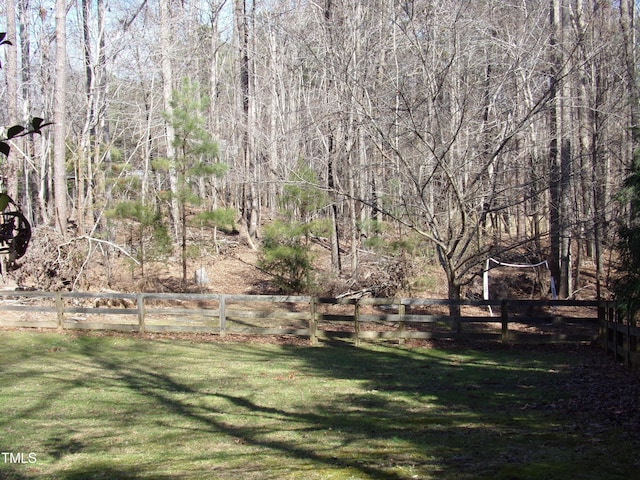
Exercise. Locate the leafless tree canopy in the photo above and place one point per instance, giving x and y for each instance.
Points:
(479, 127)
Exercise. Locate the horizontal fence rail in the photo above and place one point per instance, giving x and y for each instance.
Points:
(319, 318)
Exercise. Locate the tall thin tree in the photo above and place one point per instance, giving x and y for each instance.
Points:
(11, 166)
(59, 119)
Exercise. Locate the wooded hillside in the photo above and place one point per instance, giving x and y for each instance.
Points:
(460, 130)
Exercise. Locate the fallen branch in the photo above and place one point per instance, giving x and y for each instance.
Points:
(89, 253)
(357, 294)
(97, 240)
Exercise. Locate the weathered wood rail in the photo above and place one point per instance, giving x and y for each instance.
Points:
(619, 334)
(313, 317)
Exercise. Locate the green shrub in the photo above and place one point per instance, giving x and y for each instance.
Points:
(221, 218)
(149, 231)
(302, 196)
(287, 256)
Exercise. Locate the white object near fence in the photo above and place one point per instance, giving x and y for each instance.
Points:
(485, 276)
(201, 278)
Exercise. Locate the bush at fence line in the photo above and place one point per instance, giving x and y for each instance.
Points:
(286, 255)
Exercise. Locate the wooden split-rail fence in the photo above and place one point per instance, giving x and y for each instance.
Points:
(317, 318)
(619, 334)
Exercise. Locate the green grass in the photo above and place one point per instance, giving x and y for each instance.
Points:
(106, 407)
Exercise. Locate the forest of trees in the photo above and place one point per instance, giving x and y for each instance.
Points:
(475, 128)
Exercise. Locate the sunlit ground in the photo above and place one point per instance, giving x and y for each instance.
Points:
(89, 407)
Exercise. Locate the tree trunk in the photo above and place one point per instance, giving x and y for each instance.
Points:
(167, 93)
(99, 125)
(566, 165)
(454, 291)
(627, 15)
(85, 180)
(59, 120)
(250, 200)
(30, 185)
(565, 287)
(336, 261)
(559, 157)
(11, 166)
(183, 243)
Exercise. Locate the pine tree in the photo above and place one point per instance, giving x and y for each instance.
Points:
(287, 256)
(196, 153)
(150, 236)
(285, 252)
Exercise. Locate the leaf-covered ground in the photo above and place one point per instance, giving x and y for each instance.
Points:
(600, 394)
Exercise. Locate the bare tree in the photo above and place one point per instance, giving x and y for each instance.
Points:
(250, 201)
(59, 119)
(479, 126)
(455, 130)
(10, 169)
(166, 43)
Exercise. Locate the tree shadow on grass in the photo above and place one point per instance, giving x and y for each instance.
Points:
(435, 413)
(163, 389)
(106, 471)
(489, 412)
(404, 413)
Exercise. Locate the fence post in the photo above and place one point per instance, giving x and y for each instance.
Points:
(403, 325)
(602, 329)
(356, 321)
(59, 310)
(504, 316)
(626, 338)
(140, 304)
(616, 336)
(313, 322)
(612, 319)
(223, 318)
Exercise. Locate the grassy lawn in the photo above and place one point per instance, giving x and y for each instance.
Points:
(118, 407)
